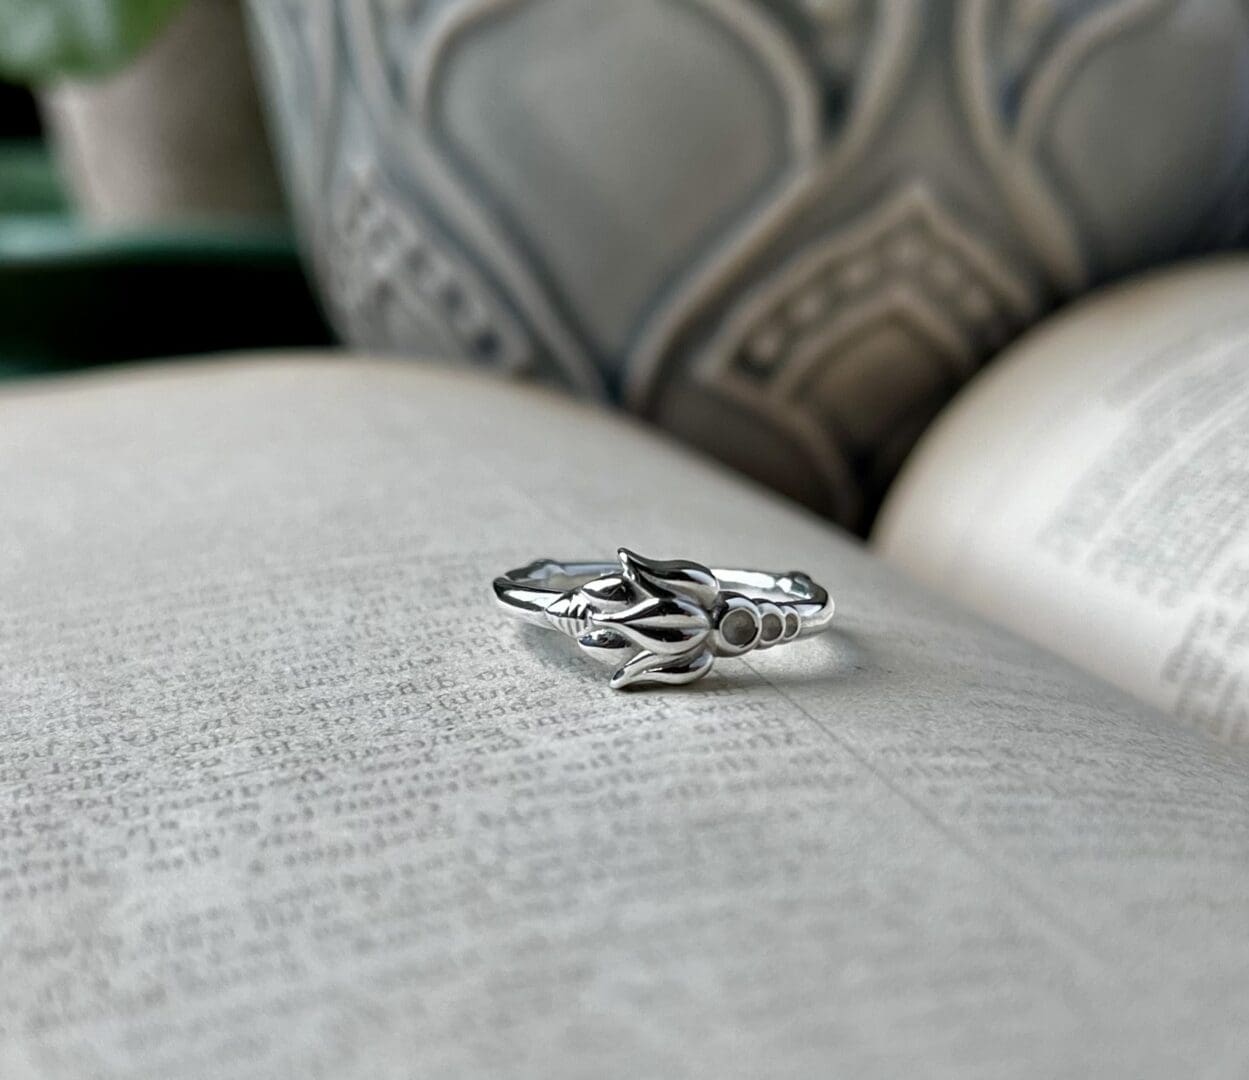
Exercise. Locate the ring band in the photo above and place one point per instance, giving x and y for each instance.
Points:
(664, 621)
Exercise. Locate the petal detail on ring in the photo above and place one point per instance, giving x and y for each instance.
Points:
(678, 577)
(674, 670)
(660, 624)
(605, 646)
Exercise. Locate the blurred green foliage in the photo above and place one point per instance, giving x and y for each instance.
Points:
(41, 40)
(72, 296)
(28, 181)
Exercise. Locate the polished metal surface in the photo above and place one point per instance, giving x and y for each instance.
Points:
(664, 621)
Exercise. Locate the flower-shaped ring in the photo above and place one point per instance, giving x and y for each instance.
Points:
(664, 621)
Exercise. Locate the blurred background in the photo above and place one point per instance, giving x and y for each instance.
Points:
(788, 231)
(137, 219)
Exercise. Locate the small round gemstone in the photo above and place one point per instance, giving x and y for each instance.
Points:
(738, 628)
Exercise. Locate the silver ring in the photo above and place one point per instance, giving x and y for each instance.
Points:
(664, 621)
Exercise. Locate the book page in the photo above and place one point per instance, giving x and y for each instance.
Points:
(1092, 493)
(284, 795)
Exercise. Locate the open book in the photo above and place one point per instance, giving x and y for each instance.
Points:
(284, 795)
(1090, 490)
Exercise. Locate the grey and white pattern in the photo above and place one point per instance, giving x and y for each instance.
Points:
(391, 281)
(785, 230)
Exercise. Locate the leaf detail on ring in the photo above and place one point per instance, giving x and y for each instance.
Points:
(668, 625)
(650, 667)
